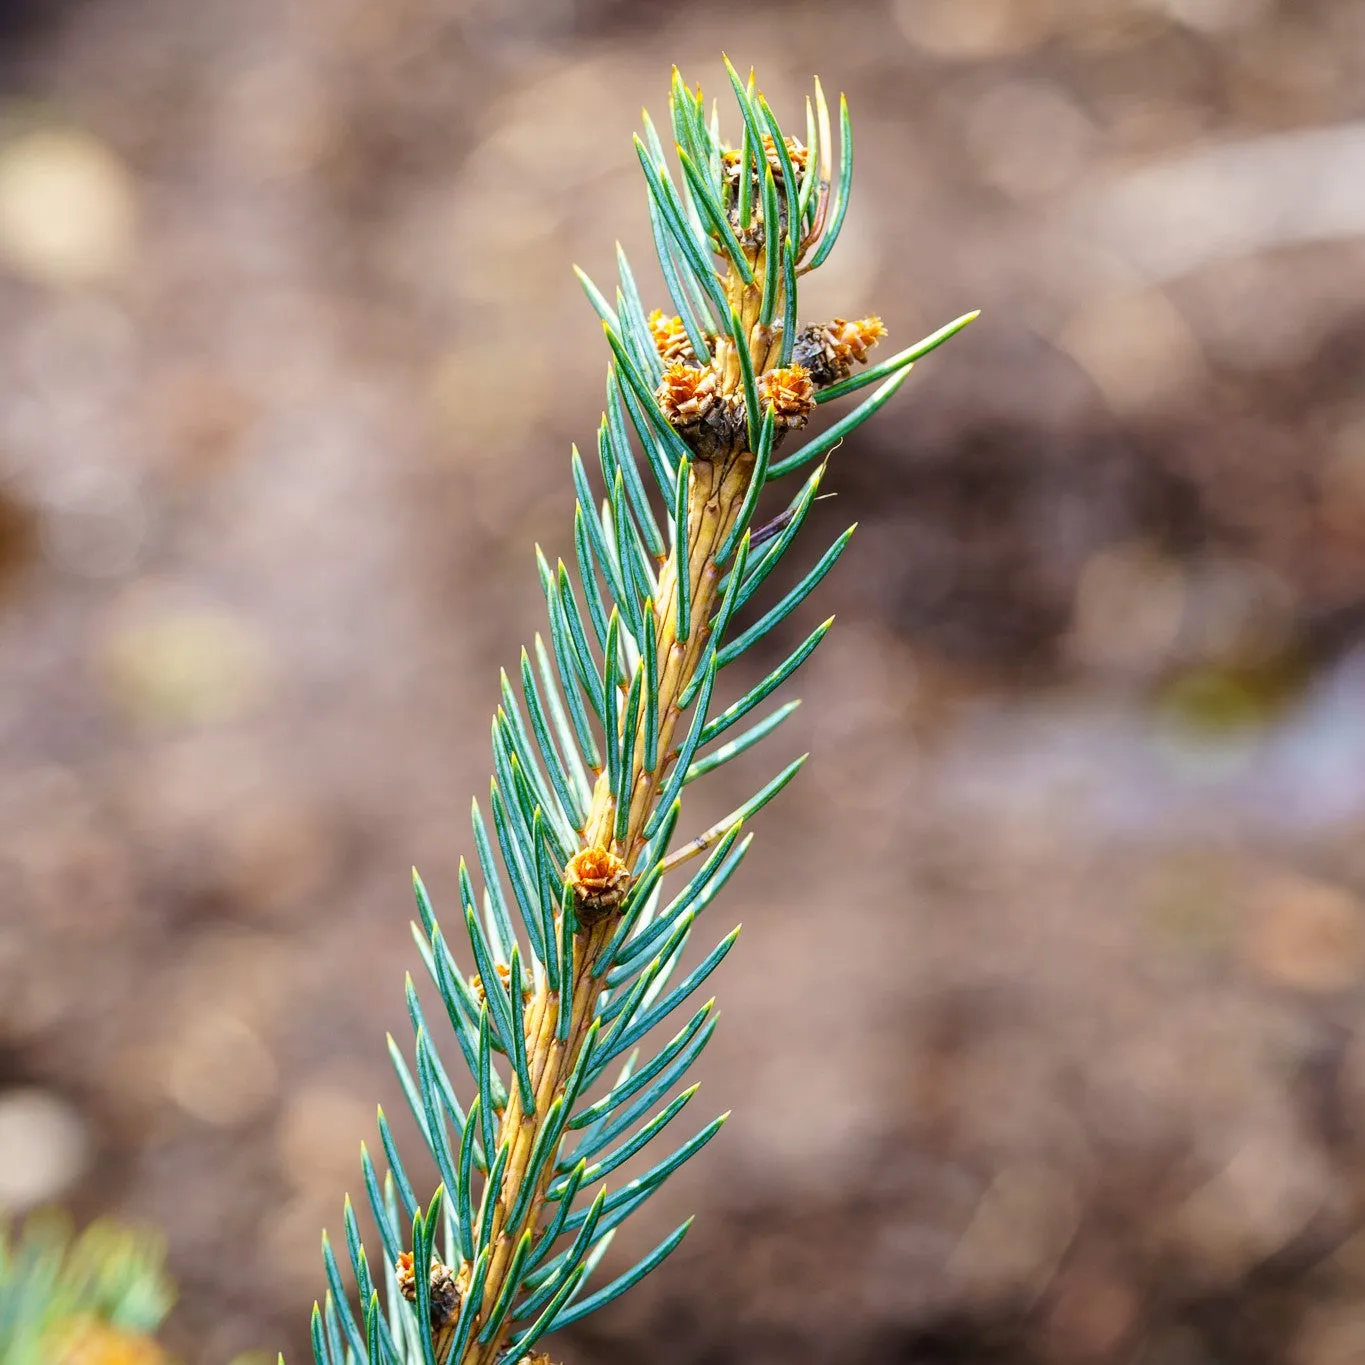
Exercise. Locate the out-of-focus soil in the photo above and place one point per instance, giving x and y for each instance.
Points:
(1044, 1035)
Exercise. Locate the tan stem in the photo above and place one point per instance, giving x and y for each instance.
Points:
(716, 493)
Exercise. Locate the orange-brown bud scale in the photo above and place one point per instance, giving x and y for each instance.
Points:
(796, 152)
(789, 393)
(447, 1290)
(407, 1281)
(599, 880)
(853, 340)
(670, 338)
(830, 350)
(685, 394)
(505, 976)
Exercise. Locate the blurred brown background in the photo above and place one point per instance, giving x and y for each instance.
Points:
(1044, 1038)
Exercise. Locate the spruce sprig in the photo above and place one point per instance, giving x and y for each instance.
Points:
(70, 1299)
(573, 942)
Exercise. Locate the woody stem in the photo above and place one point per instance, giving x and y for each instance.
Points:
(717, 489)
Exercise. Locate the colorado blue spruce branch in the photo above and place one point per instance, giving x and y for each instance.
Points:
(572, 944)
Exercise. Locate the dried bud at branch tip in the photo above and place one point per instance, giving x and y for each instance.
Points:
(795, 151)
(830, 350)
(857, 338)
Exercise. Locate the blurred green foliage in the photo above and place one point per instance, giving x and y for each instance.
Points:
(88, 1299)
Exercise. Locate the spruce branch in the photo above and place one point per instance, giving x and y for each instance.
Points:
(76, 1300)
(572, 945)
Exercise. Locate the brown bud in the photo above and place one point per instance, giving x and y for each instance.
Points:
(829, 350)
(670, 338)
(445, 1296)
(795, 151)
(446, 1289)
(599, 880)
(853, 340)
(407, 1281)
(505, 977)
(789, 393)
(755, 234)
(685, 394)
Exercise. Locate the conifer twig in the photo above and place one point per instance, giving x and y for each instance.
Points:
(572, 942)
